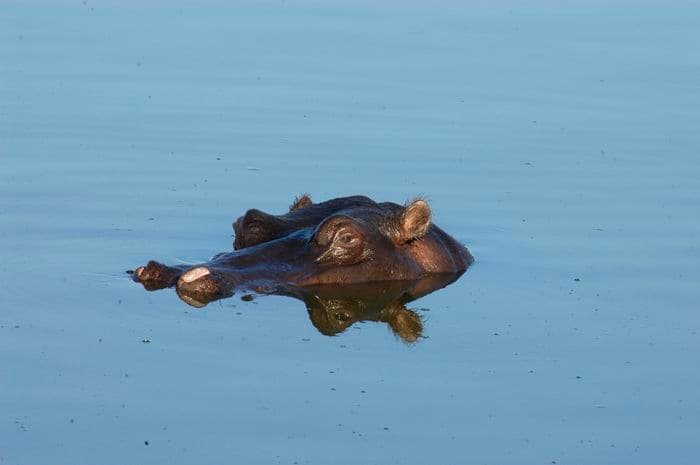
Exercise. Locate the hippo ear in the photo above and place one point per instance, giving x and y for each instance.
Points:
(300, 202)
(412, 222)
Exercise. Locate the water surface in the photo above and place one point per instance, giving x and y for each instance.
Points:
(559, 142)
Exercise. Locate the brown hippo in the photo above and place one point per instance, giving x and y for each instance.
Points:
(343, 241)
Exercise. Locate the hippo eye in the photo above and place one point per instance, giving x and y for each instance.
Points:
(340, 240)
(348, 239)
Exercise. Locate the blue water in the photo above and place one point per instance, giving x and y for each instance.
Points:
(559, 141)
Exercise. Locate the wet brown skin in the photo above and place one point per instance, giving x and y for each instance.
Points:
(436, 250)
(343, 241)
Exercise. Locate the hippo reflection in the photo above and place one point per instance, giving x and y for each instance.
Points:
(348, 240)
(333, 308)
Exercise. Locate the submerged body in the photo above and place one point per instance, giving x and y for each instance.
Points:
(347, 240)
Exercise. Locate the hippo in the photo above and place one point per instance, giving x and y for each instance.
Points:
(347, 240)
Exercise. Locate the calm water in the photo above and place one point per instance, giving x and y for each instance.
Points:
(559, 142)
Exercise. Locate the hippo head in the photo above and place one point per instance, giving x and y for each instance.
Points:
(340, 242)
(349, 240)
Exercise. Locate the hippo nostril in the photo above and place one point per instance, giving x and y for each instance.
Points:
(195, 274)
